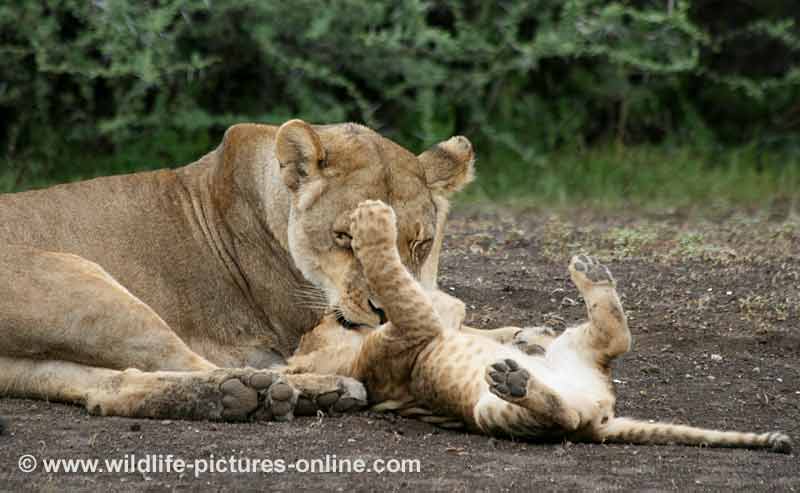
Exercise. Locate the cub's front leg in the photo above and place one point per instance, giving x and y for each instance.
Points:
(408, 308)
(387, 355)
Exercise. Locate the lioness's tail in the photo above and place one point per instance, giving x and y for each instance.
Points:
(626, 430)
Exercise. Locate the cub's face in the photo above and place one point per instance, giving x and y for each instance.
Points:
(329, 170)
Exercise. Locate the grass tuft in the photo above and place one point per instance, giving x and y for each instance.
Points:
(645, 176)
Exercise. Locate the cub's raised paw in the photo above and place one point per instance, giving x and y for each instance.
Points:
(588, 271)
(373, 224)
(507, 379)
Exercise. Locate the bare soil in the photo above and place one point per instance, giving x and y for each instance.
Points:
(714, 305)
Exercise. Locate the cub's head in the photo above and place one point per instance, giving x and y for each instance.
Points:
(329, 170)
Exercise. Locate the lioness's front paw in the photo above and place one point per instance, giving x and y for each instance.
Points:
(373, 224)
(227, 394)
(329, 393)
(259, 395)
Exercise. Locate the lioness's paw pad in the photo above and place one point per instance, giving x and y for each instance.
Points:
(238, 400)
(373, 223)
(349, 396)
(588, 271)
(281, 399)
(507, 379)
(260, 395)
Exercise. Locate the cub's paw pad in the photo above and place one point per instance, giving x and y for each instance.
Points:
(589, 268)
(780, 443)
(507, 379)
(349, 396)
(530, 340)
(373, 223)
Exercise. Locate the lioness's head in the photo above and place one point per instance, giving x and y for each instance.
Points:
(329, 170)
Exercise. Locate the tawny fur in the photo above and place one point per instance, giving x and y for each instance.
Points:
(422, 361)
(224, 263)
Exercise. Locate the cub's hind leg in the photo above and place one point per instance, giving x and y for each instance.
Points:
(606, 334)
(535, 404)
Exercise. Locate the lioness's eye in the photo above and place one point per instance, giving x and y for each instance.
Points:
(342, 239)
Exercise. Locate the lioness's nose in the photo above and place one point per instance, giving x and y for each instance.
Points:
(378, 311)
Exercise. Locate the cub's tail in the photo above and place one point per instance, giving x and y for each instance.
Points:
(627, 430)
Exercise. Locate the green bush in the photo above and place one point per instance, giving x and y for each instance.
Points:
(110, 86)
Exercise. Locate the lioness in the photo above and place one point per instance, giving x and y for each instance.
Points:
(161, 294)
(421, 358)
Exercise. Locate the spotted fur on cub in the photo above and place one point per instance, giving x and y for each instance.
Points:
(422, 362)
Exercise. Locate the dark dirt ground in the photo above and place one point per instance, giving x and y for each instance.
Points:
(714, 306)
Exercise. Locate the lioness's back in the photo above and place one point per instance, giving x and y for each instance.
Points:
(79, 217)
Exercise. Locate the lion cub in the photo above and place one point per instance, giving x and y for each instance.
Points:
(420, 361)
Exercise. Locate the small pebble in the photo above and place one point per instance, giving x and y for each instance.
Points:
(136, 427)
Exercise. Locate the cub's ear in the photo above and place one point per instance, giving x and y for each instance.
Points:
(299, 152)
(449, 166)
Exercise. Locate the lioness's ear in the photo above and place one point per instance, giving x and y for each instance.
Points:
(299, 152)
(449, 166)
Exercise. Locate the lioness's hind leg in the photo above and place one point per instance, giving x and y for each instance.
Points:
(606, 333)
(512, 383)
(57, 306)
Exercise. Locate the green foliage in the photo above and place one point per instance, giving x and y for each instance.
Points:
(643, 176)
(89, 88)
